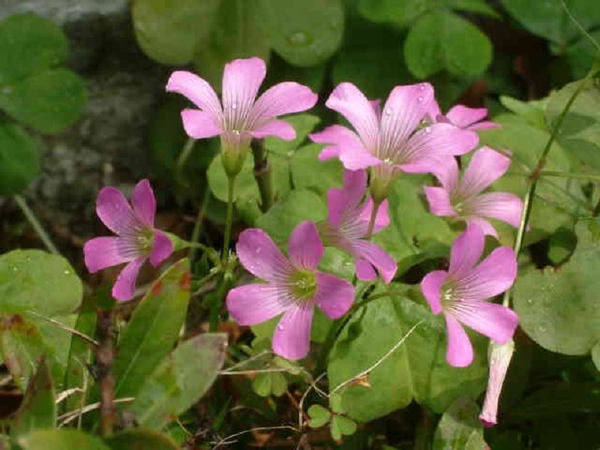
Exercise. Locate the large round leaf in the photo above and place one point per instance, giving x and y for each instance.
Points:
(19, 158)
(559, 308)
(38, 281)
(49, 102)
(169, 31)
(305, 32)
(402, 12)
(29, 45)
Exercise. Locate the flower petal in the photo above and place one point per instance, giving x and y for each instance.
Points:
(384, 263)
(494, 275)
(351, 103)
(161, 248)
(486, 166)
(439, 201)
(241, 80)
(102, 252)
(305, 246)
(114, 211)
(143, 202)
(498, 205)
(463, 116)
(431, 286)
(499, 358)
(197, 90)
(346, 142)
(251, 304)
(292, 335)
(260, 256)
(494, 321)
(365, 270)
(485, 226)
(278, 128)
(466, 251)
(283, 98)
(460, 350)
(334, 295)
(124, 288)
(342, 203)
(405, 108)
(199, 124)
(485, 125)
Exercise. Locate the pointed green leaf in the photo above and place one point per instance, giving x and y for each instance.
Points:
(61, 440)
(49, 101)
(38, 409)
(38, 281)
(170, 31)
(19, 158)
(30, 44)
(459, 428)
(153, 329)
(305, 32)
(140, 439)
(180, 380)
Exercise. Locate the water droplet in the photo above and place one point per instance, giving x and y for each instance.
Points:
(280, 327)
(299, 38)
(422, 87)
(14, 268)
(67, 272)
(530, 301)
(542, 329)
(428, 130)
(6, 90)
(257, 250)
(234, 106)
(334, 23)
(389, 111)
(420, 99)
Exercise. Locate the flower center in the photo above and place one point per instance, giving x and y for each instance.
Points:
(145, 240)
(447, 296)
(303, 285)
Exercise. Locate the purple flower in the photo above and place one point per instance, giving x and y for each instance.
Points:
(499, 358)
(137, 240)
(347, 224)
(393, 140)
(293, 287)
(242, 116)
(463, 199)
(460, 294)
(463, 117)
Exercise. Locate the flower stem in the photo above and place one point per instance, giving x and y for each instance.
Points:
(34, 222)
(537, 172)
(229, 217)
(374, 211)
(198, 224)
(182, 158)
(104, 366)
(262, 174)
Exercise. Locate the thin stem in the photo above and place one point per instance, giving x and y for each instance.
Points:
(229, 217)
(537, 171)
(577, 176)
(106, 379)
(37, 226)
(262, 174)
(183, 156)
(198, 224)
(374, 211)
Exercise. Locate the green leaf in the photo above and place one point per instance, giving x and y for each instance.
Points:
(310, 173)
(179, 380)
(297, 206)
(335, 402)
(303, 124)
(261, 384)
(19, 158)
(38, 281)
(582, 54)
(37, 409)
(305, 32)
(561, 245)
(581, 127)
(459, 428)
(417, 369)
(49, 102)
(345, 425)
(402, 13)
(140, 439)
(319, 416)
(312, 77)
(457, 46)
(237, 31)
(532, 112)
(153, 329)
(596, 355)
(552, 304)
(60, 440)
(170, 31)
(30, 44)
(557, 400)
(476, 6)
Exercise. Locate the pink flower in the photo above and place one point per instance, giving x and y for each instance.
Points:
(293, 287)
(460, 294)
(137, 240)
(242, 116)
(499, 358)
(347, 225)
(463, 199)
(394, 140)
(463, 117)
